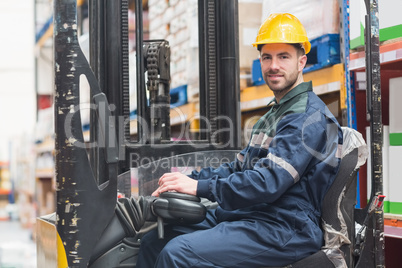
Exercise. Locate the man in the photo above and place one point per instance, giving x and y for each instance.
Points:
(270, 197)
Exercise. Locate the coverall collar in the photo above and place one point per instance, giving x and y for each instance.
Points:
(300, 88)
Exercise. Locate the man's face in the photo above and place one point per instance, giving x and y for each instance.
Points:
(281, 66)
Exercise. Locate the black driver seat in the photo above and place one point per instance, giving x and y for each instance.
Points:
(338, 207)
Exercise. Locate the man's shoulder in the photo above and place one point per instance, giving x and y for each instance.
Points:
(317, 103)
(307, 110)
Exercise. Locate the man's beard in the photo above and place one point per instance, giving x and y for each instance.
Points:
(289, 83)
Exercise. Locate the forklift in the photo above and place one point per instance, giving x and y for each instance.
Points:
(98, 223)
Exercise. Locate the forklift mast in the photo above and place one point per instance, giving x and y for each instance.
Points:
(374, 215)
(87, 172)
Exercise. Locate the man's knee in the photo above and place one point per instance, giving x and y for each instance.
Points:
(148, 240)
(173, 254)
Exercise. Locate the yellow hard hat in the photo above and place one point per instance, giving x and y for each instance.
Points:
(282, 28)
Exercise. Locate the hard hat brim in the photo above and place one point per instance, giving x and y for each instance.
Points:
(306, 45)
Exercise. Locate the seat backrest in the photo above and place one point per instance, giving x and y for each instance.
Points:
(338, 212)
(338, 208)
(339, 202)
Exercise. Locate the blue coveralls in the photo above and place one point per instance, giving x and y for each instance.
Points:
(269, 198)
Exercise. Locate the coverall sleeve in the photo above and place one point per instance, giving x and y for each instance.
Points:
(290, 153)
(223, 171)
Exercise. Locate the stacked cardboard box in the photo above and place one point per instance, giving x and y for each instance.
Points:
(321, 20)
(250, 18)
(319, 17)
(177, 22)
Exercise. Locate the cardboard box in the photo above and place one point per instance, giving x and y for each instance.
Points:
(249, 24)
(245, 78)
(176, 21)
(45, 196)
(319, 17)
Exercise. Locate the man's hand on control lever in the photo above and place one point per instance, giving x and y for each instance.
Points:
(178, 182)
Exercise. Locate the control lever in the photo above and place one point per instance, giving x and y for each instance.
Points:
(177, 208)
(170, 207)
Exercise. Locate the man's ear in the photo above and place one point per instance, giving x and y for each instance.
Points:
(302, 62)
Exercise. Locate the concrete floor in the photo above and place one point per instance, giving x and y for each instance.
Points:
(17, 249)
